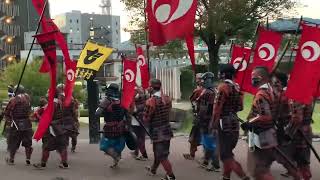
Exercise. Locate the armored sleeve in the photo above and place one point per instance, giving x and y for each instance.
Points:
(261, 109)
(296, 111)
(222, 94)
(8, 110)
(149, 110)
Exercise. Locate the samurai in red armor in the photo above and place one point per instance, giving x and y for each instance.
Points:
(301, 131)
(70, 121)
(228, 102)
(115, 118)
(39, 111)
(195, 136)
(55, 139)
(156, 116)
(17, 114)
(262, 134)
(137, 109)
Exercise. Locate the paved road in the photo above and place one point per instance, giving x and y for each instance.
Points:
(90, 164)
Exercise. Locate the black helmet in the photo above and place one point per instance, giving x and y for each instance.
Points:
(60, 87)
(155, 83)
(112, 91)
(227, 71)
(208, 79)
(19, 90)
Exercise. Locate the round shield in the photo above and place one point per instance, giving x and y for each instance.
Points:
(131, 140)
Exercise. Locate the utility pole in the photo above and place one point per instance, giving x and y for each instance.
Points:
(93, 98)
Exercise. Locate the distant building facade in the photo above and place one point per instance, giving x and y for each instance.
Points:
(78, 25)
(16, 17)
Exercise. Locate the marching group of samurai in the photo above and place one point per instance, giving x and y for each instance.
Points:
(276, 126)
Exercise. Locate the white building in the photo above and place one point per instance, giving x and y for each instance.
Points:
(77, 25)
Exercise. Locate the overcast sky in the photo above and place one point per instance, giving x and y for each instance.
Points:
(310, 9)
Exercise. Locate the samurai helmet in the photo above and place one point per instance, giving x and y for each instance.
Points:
(207, 80)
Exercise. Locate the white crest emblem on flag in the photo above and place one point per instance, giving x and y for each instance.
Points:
(310, 51)
(163, 12)
(266, 52)
(129, 75)
(141, 60)
(70, 75)
(237, 62)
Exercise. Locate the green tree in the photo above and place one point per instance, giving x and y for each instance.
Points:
(35, 83)
(220, 20)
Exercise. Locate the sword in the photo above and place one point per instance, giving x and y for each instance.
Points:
(142, 125)
(282, 154)
(309, 144)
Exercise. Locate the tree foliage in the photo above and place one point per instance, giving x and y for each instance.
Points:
(220, 20)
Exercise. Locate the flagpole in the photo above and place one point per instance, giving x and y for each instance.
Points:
(251, 50)
(230, 52)
(147, 37)
(32, 44)
(294, 40)
(122, 76)
(281, 57)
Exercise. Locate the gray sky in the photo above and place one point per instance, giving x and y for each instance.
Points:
(310, 9)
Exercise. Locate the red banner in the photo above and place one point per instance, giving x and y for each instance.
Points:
(48, 25)
(170, 20)
(240, 61)
(305, 76)
(48, 44)
(144, 68)
(267, 48)
(129, 82)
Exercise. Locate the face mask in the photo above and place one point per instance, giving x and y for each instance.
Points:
(255, 82)
(222, 76)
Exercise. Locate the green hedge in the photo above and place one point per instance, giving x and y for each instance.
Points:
(187, 80)
(84, 113)
(3, 94)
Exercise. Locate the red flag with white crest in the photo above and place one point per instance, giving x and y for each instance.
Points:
(170, 20)
(305, 76)
(48, 25)
(144, 68)
(48, 44)
(129, 82)
(240, 61)
(267, 48)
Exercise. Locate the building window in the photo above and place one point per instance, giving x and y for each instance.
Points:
(77, 21)
(70, 20)
(116, 23)
(71, 30)
(117, 31)
(78, 30)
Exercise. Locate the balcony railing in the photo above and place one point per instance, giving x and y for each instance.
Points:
(10, 10)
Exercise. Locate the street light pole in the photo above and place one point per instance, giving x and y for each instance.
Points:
(93, 98)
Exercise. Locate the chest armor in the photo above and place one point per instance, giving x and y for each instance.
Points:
(232, 105)
(20, 113)
(114, 116)
(68, 114)
(160, 128)
(307, 115)
(140, 103)
(283, 111)
(205, 107)
(57, 119)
